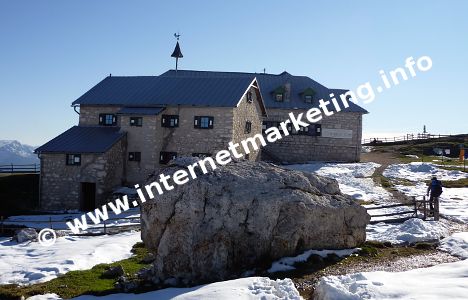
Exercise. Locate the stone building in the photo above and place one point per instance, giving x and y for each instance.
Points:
(131, 126)
(335, 138)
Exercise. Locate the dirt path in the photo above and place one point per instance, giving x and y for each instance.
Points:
(385, 159)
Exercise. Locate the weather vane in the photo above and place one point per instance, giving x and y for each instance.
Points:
(177, 53)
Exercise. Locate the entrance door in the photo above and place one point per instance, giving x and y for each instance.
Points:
(88, 196)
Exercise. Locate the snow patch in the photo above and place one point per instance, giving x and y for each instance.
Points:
(34, 263)
(456, 244)
(238, 289)
(287, 263)
(420, 171)
(445, 281)
(353, 178)
(410, 231)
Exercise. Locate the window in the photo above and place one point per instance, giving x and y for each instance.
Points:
(315, 130)
(107, 119)
(279, 97)
(165, 157)
(73, 159)
(201, 155)
(170, 121)
(249, 97)
(136, 121)
(203, 122)
(268, 124)
(134, 156)
(308, 98)
(248, 127)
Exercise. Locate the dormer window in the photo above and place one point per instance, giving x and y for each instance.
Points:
(280, 94)
(308, 95)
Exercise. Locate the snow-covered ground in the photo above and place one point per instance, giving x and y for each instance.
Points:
(354, 178)
(453, 201)
(239, 289)
(457, 244)
(129, 217)
(29, 263)
(445, 281)
(411, 231)
(419, 172)
(287, 263)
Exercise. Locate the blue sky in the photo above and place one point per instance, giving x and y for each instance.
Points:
(51, 52)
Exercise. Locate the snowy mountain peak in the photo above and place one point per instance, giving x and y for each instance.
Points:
(14, 152)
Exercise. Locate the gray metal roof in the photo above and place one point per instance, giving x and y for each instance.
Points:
(167, 91)
(140, 110)
(81, 139)
(269, 82)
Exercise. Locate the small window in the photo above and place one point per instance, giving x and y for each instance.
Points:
(170, 121)
(107, 119)
(165, 157)
(201, 155)
(134, 156)
(315, 130)
(136, 121)
(203, 122)
(279, 97)
(268, 124)
(249, 97)
(73, 159)
(248, 127)
(308, 98)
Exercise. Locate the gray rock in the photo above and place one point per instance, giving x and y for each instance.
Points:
(113, 272)
(26, 234)
(243, 214)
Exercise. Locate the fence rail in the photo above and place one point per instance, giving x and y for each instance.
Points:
(11, 168)
(103, 228)
(403, 138)
(419, 209)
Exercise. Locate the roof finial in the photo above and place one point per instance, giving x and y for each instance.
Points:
(177, 53)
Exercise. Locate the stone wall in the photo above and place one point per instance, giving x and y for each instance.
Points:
(89, 114)
(146, 139)
(303, 148)
(61, 184)
(252, 112)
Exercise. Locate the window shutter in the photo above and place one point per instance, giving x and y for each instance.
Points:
(101, 119)
(210, 124)
(114, 120)
(176, 120)
(196, 120)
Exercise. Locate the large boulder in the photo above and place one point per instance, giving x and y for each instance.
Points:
(25, 235)
(244, 214)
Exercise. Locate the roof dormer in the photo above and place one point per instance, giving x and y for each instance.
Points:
(279, 94)
(308, 95)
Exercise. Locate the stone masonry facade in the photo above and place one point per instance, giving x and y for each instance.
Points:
(61, 183)
(303, 148)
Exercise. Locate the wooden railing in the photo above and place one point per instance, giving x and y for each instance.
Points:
(416, 209)
(11, 168)
(403, 138)
(104, 227)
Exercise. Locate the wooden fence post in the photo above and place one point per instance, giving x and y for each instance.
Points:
(424, 208)
(105, 227)
(50, 222)
(436, 209)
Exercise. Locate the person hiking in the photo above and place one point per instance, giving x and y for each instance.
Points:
(435, 189)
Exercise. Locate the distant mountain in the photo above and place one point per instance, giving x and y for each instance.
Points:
(13, 152)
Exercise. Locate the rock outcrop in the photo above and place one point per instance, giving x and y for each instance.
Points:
(242, 214)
